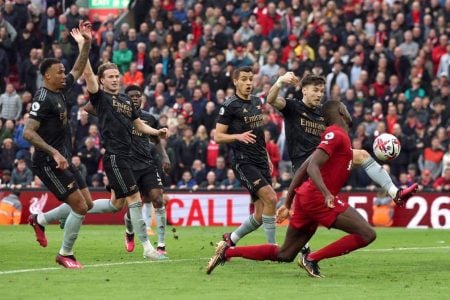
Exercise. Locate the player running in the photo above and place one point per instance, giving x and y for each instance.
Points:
(240, 124)
(316, 203)
(304, 124)
(48, 130)
(146, 173)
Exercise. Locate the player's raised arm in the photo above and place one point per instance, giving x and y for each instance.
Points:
(273, 98)
(82, 35)
(319, 157)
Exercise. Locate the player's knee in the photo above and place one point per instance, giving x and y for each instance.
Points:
(360, 156)
(370, 235)
(80, 208)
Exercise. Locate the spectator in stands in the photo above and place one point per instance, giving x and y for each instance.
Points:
(8, 154)
(221, 169)
(198, 171)
(442, 184)
(431, 159)
(48, 28)
(230, 183)
(425, 181)
(23, 146)
(210, 183)
(11, 209)
(337, 77)
(89, 156)
(133, 76)
(122, 57)
(10, 104)
(187, 182)
(21, 175)
(76, 162)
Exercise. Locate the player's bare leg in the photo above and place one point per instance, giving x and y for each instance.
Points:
(360, 235)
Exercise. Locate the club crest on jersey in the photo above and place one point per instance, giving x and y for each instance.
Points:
(244, 110)
(221, 111)
(35, 106)
(329, 136)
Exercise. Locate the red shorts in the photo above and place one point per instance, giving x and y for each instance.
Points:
(310, 211)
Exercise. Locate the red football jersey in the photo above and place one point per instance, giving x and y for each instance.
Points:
(336, 170)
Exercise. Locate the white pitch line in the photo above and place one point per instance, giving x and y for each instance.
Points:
(196, 259)
(405, 249)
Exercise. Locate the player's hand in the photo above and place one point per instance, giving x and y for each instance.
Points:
(61, 161)
(282, 214)
(290, 79)
(163, 133)
(247, 137)
(329, 201)
(85, 28)
(166, 164)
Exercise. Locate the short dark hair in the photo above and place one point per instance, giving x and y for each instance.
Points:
(329, 109)
(132, 87)
(47, 64)
(238, 71)
(312, 80)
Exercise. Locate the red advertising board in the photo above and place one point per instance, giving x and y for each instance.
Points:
(424, 210)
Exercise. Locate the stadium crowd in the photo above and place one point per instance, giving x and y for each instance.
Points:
(388, 61)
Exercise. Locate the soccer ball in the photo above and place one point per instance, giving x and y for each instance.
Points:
(386, 147)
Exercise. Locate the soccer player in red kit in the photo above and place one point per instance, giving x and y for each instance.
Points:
(316, 203)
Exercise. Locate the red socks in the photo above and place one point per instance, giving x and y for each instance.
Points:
(258, 252)
(342, 246)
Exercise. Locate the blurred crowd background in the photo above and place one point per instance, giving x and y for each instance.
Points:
(388, 61)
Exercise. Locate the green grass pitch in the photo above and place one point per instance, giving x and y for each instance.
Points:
(400, 264)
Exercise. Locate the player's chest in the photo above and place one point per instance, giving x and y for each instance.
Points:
(310, 122)
(121, 105)
(60, 110)
(250, 116)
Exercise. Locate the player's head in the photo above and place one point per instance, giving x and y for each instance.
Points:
(243, 81)
(313, 88)
(135, 94)
(335, 112)
(109, 77)
(53, 73)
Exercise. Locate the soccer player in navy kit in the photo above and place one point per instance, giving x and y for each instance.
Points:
(240, 124)
(48, 130)
(117, 118)
(146, 171)
(317, 203)
(304, 124)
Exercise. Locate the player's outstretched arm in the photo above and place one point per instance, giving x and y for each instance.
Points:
(222, 137)
(145, 129)
(319, 157)
(82, 35)
(272, 98)
(31, 135)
